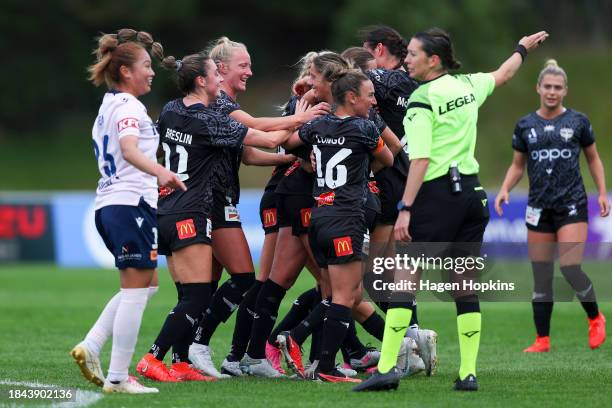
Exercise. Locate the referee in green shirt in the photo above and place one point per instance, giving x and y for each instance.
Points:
(440, 125)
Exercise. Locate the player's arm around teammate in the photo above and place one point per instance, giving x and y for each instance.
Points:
(549, 142)
(125, 141)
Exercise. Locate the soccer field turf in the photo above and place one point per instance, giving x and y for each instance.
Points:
(46, 310)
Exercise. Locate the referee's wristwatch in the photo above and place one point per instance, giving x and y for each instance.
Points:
(402, 206)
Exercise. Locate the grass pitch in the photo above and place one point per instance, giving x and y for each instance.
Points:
(46, 310)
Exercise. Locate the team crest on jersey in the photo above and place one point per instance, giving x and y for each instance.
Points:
(326, 199)
(533, 136)
(343, 246)
(566, 134)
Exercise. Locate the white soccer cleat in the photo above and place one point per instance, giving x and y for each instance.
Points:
(259, 367)
(201, 358)
(231, 368)
(129, 386)
(345, 369)
(89, 363)
(427, 341)
(370, 359)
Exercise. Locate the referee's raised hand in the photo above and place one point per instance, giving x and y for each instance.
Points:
(532, 41)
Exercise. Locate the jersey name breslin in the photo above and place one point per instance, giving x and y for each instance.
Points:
(175, 135)
(457, 103)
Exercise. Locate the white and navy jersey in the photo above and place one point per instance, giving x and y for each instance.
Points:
(122, 114)
(194, 139)
(553, 150)
(343, 151)
(392, 89)
(227, 172)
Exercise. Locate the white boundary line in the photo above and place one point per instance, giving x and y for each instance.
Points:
(83, 398)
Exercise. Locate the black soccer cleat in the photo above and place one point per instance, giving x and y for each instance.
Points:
(381, 382)
(469, 383)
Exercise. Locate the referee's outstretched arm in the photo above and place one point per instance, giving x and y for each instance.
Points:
(507, 70)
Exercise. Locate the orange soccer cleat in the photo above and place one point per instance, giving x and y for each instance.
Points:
(184, 372)
(291, 351)
(597, 331)
(540, 345)
(155, 370)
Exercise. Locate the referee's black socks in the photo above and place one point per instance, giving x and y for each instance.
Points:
(266, 312)
(183, 318)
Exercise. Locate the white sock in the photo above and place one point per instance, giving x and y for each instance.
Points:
(125, 331)
(152, 291)
(103, 328)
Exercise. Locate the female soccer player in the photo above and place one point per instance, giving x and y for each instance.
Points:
(230, 247)
(441, 137)
(194, 136)
(343, 144)
(125, 142)
(549, 141)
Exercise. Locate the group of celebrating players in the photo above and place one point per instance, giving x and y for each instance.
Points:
(341, 168)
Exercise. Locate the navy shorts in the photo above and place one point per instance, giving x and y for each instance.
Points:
(130, 233)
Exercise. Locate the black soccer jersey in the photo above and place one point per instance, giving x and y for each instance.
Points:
(227, 172)
(343, 150)
(553, 150)
(279, 171)
(194, 139)
(392, 89)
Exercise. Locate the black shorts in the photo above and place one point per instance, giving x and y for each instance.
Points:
(551, 220)
(372, 209)
(339, 240)
(391, 185)
(268, 212)
(295, 211)
(224, 212)
(438, 215)
(179, 230)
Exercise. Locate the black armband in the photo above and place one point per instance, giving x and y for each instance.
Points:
(522, 51)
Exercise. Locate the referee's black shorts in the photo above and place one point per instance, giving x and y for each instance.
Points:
(438, 215)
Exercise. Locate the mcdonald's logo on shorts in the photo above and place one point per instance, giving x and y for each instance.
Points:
(305, 214)
(186, 229)
(269, 217)
(343, 246)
